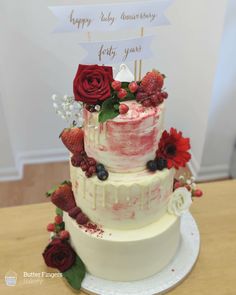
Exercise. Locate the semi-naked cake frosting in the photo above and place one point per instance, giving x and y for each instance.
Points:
(131, 205)
(122, 206)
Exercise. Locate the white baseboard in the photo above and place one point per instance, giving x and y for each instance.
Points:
(206, 173)
(213, 172)
(32, 157)
(59, 155)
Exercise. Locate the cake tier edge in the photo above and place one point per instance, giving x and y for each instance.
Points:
(126, 255)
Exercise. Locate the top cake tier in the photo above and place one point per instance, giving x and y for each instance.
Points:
(127, 142)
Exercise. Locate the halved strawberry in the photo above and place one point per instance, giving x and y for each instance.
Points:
(73, 139)
(62, 196)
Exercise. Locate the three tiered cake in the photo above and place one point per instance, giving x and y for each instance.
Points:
(121, 210)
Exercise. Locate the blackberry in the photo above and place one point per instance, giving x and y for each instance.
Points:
(152, 165)
(102, 175)
(161, 163)
(100, 167)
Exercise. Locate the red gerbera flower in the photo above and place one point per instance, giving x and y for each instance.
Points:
(174, 148)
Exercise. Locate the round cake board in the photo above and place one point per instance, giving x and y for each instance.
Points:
(172, 275)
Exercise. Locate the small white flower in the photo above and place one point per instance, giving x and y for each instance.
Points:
(97, 108)
(55, 105)
(188, 181)
(54, 97)
(65, 97)
(63, 117)
(192, 178)
(181, 177)
(180, 201)
(71, 107)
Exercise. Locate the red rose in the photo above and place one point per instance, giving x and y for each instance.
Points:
(59, 254)
(92, 83)
(174, 148)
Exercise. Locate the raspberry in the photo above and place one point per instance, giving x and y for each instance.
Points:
(91, 161)
(122, 93)
(51, 227)
(58, 219)
(74, 212)
(164, 94)
(76, 160)
(82, 218)
(147, 103)
(133, 87)
(123, 108)
(64, 235)
(88, 174)
(92, 169)
(83, 153)
(116, 85)
(84, 167)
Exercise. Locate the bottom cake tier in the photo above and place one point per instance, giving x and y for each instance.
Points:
(125, 255)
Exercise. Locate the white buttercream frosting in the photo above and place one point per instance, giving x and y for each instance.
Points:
(126, 255)
(180, 201)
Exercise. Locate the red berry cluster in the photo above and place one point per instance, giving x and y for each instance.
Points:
(58, 227)
(150, 92)
(190, 186)
(152, 99)
(87, 164)
(77, 214)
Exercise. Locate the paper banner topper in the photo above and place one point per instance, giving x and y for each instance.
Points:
(109, 17)
(114, 52)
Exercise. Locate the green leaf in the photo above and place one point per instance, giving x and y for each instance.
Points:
(75, 274)
(59, 211)
(108, 111)
(129, 96)
(51, 191)
(125, 84)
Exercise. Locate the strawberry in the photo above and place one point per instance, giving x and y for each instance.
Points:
(152, 81)
(73, 139)
(62, 196)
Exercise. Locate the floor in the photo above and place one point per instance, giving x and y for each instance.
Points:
(38, 178)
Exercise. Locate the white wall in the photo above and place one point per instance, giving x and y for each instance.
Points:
(221, 131)
(35, 63)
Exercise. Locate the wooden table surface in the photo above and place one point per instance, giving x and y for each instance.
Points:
(23, 238)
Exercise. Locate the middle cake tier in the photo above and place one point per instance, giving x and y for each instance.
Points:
(123, 201)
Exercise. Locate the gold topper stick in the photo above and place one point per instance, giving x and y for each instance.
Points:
(140, 61)
(135, 70)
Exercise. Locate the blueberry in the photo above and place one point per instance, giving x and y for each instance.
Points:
(161, 163)
(100, 167)
(152, 165)
(102, 174)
